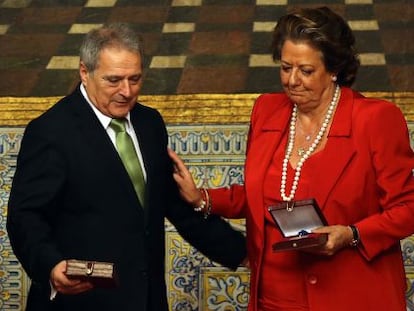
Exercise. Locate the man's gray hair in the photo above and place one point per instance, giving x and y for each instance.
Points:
(112, 35)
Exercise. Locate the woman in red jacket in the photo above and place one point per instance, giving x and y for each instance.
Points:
(321, 140)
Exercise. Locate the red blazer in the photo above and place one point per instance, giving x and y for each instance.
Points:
(366, 179)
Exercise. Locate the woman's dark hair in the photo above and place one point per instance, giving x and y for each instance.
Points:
(325, 31)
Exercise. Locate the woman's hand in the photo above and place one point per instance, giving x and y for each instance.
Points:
(184, 180)
(338, 237)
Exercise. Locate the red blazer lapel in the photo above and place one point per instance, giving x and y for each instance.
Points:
(338, 152)
(268, 126)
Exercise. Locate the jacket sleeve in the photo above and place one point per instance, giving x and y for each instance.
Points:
(393, 162)
(212, 236)
(36, 184)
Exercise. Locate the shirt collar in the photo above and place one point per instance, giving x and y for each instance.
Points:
(104, 119)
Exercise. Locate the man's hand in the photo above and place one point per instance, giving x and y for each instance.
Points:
(66, 286)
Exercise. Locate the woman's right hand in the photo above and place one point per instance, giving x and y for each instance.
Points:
(184, 180)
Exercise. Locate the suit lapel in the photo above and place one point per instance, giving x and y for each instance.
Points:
(260, 155)
(89, 126)
(338, 151)
(99, 144)
(149, 146)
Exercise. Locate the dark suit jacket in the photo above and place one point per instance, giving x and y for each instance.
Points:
(72, 198)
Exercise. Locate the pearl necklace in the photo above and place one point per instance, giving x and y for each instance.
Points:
(301, 150)
(308, 152)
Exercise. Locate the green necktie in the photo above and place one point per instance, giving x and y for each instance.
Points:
(129, 157)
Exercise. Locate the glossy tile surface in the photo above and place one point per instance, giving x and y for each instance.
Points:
(193, 46)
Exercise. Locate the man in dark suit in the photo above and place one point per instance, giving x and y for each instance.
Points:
(73, 198)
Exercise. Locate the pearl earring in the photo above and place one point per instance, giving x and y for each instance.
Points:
(334, 78)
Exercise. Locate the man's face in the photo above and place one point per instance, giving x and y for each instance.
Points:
(115, 84)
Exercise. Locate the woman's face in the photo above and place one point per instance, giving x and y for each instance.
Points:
(304, 76)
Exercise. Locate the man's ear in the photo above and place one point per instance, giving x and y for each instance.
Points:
(83, 73)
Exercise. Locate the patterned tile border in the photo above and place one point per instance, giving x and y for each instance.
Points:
(215, 156)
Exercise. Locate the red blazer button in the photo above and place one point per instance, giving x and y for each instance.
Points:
(312, 279)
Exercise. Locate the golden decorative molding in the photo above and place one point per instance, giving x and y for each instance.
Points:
(180, 109)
